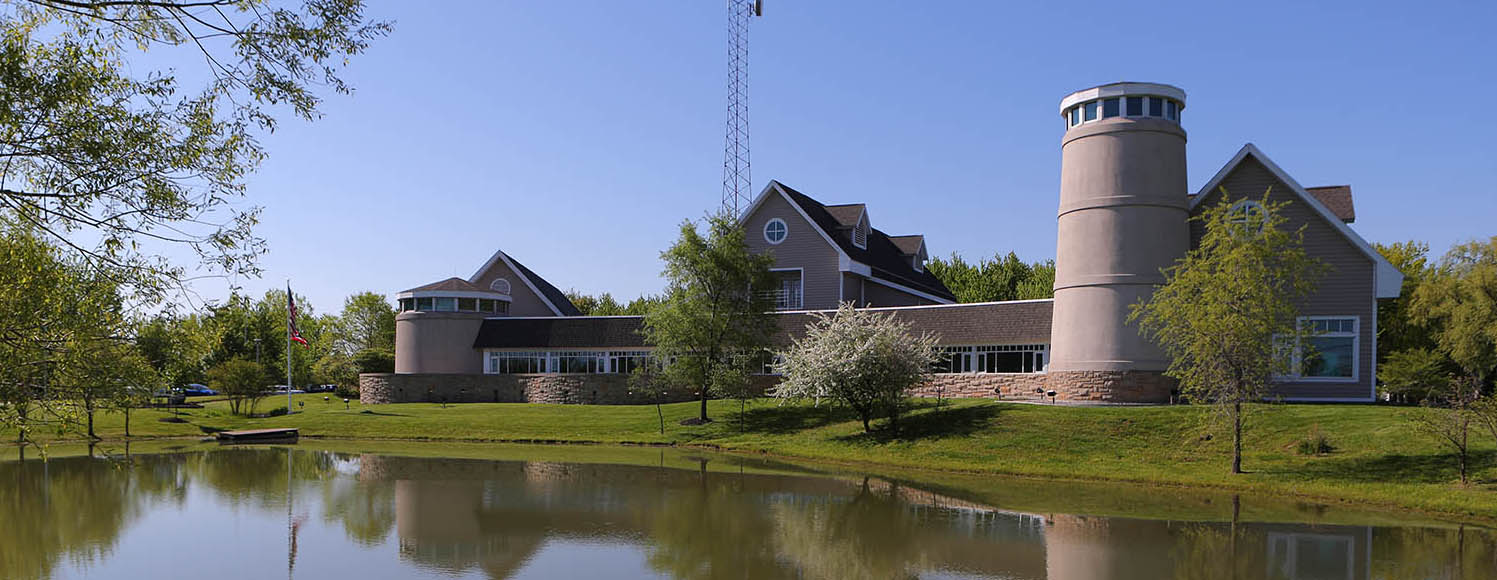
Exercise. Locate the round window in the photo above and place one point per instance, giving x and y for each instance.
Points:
(775, 231)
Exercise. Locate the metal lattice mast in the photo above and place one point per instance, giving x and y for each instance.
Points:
(737, 182)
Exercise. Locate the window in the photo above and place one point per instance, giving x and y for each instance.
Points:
(1109, 108)
(788, 296)
(407, 304)
(1075, 116)
(769, 363)
(1248, 215)
(578, 362)
(1007, 358)
(493, 306)
(500, 285)
(517, 362)
(423, 304)
(1170, 110)
(1156, 107)
(625, 361)
(1333, 349)
(1090, 111)
(467, 304)
(1135, 106)
(775, 231)
(444, 304)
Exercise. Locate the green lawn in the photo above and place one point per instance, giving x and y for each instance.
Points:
(1378, 459)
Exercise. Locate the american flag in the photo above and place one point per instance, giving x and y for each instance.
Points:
(291, 316)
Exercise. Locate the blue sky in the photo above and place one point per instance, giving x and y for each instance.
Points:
(577, 135)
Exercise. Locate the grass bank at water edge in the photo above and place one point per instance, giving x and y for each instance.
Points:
(1375, 458)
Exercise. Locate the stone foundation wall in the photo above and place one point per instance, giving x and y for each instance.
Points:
(613, 389)
(1111, 386)
(565, 389)
(1010, 386)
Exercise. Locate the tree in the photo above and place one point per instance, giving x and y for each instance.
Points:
(605, 305)
(995, 279)
(1415, 375)
(113, 159)
(366, 323)
(60, 318)
(1458, 301)
(1226, 315)
(716, 315)
(1396, 328)
(1449, 419)
(239, 380)
(867, 360)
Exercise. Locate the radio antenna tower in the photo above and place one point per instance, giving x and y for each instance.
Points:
(737, 182)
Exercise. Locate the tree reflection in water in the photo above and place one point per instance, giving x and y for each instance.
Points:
(708, 521)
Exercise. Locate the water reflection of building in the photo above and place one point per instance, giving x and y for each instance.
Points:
(455, 515)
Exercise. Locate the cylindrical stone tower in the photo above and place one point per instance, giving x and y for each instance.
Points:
(1123, 218)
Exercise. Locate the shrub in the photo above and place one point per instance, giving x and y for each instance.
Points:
(864, 359)
(240, 381)
(1316, 443)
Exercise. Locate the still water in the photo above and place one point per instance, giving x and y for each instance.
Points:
(517, 512)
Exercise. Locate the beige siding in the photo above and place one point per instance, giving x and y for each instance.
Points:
(1346, 289)
(803, 248)
(525, 302)
(877, 295)
(852, 288)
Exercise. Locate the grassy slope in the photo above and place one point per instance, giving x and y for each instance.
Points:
(1378, 459)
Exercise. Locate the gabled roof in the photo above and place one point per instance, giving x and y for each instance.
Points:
(847, 214)
(1336, 198)
(908, 245)
(1387, 280)
(554, 299)
(449, 285)
(884, 260)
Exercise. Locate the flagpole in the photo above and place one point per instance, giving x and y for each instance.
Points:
(288, 346)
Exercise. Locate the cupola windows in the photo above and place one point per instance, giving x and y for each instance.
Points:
(1141, 106)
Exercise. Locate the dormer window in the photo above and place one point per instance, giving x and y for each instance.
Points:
(918, 260)
(860, 233)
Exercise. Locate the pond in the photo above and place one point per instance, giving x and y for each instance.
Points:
(383, 510)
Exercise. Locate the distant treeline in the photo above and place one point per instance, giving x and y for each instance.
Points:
(994, 279)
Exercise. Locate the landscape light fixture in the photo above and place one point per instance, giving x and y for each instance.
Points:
(1052, 397)
(345, 404)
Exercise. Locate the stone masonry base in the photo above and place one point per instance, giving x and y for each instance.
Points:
(579, 389)
(609, 389)
(1110, 386)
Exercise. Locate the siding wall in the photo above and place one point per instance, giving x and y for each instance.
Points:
(803, 248)
(524, 301)
(876, 295)
(1345, 290)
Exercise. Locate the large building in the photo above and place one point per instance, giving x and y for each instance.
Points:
(506, 334)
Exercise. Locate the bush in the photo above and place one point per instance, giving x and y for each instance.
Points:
(865, 359)
(1413, 375)
(372, 360)
(239, 380)
(1317, 443)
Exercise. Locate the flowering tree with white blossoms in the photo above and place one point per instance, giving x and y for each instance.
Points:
(865, 359)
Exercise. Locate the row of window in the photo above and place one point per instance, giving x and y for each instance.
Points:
(566, 361)
(439, 304)
(1006, 358)
(1141, 106)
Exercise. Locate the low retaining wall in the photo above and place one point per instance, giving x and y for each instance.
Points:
(565, 389)
(613, 389)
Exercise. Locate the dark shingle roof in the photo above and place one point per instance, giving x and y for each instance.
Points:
(882, 255)
(909, 245)
(846, 214)
(557, 297)
(1023, 322)
(448, 285)
(1336, 198)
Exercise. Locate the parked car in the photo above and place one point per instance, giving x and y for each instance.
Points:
(322, 388)
(197, 390)
(281, 390)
